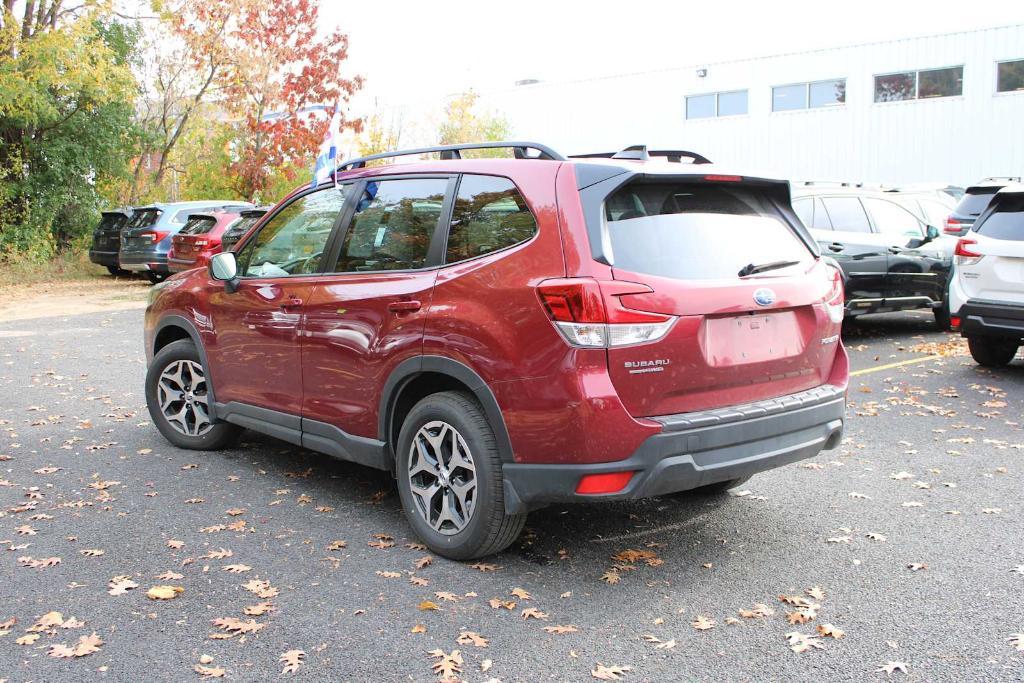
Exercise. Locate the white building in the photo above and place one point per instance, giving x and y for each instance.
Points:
(945, 108)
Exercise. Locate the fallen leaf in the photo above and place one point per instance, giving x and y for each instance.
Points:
(292, 660)
(471, 638)
(609, 673)
(389, 575)
(1017, 640)
(209, 671)
(702, 623)
(428, 605)
(337, 545)
(258, 609)
(828, 630)
(164, 592)
(234, 625)
(220, 554)
(611, 577)
(890, 667)
(423, 562)
(86, 645)
(119, 585)
(170, 576)
(498, 603)
(816, 593)
(418, 628)
(800, 642)
(175, 545)
(237, 568)
(447, 664)
(534, 613)
(560, 629)
(28, 639)
(91, 552)
(484, 567)
(520, 593)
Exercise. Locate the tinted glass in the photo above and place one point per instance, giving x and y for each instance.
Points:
(941, 82)
(804, 209)
(732, 103)
(821, 219)
(893, 220)
(1006, 222)
(894, 87)
(828, 93)
(974, 201)
(692, 232)
(1010, 76)
(198, 225)
(238, 229)
(789, 97)
(846, 214)
(700, 106)
(393, 225)
(293, 241)
(111, 222)
(489, 214)
(144, 218)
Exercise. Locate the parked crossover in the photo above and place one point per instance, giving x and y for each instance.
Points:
(987, 291)
(106, 239)
(200, 239)
(503, 334)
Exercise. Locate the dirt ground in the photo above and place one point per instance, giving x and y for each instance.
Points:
(73, 297)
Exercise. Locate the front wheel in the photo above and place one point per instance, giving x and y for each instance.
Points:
(992, 352)
(155, 278)
(450, 480)
(178, 397)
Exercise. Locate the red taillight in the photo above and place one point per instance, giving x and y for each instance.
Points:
(572, 301)
(153, 236)
(962, 248)
(724, 178)
(953, 226)
(836, 296)
(608, 482)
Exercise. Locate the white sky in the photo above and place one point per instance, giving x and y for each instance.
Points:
(413, 51)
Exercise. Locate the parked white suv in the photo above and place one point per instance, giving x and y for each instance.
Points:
(986, 291)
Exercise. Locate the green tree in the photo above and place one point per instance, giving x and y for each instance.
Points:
(463, 122)
(66, 120)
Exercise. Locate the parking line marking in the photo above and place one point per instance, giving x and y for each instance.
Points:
(866, 371)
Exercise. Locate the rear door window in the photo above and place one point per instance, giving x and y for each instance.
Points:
(821, 219)
(893, 220)
(489, 214)
(1006, 222)
(846, 214)
(393, 225)
(974, 201)
(698, 231)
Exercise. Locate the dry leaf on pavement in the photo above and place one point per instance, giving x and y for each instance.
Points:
(609, 673)
(164, 592)
(471, 638)
(292, 660)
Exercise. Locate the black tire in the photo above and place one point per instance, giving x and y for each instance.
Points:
(942, 317)
(488, 529)
(115, 271)
(155, 278)
(219, 435)
(992, 352)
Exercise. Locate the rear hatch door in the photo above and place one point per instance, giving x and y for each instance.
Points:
(999, 237)
(746, 284)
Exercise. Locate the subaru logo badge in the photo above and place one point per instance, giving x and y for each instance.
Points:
(764, 297)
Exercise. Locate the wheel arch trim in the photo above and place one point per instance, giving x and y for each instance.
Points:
(190, 329)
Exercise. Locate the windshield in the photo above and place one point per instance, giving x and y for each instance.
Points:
(699, 231)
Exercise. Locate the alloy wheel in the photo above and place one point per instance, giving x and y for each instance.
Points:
(442, 477)
(182, 393)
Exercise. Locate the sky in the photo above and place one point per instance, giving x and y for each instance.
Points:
(422, 51)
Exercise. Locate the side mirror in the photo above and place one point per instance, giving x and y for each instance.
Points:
(224, 267)
(931, 232)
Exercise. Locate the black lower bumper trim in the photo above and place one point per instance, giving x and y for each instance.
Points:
(686, 459)
(991, 319)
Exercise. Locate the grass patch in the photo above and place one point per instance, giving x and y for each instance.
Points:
(72, 266)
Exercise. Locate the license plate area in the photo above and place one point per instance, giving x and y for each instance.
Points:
(751, 338)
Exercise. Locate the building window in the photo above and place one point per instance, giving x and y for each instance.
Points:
(1010, 76)
(730, 103)
(815, 94)
(913, 85)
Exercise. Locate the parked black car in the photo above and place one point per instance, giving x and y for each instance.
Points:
(242, 226)
(891, 260)
(974, 201)
(106, 239)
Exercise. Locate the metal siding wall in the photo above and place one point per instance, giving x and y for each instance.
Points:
(955, 139)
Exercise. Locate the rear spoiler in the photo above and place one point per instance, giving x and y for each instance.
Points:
(641, 153)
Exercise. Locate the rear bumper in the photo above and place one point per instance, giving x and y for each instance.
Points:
(991, 319)
(141, 262)
(696, 449)
(103, 258)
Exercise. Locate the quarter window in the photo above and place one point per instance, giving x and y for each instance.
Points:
(489, 214)
(892, 219)
(924, 84)
(1010, 76)
(293, 241)
(846, 214)
(393, 225)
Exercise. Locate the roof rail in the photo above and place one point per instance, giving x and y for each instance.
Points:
(1000, 178)
(641, 153)
(519, 149)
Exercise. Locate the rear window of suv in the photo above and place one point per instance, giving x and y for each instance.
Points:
(198, 225)
(144, 218)
(1006, 222)
(974, 201)
(698, 231)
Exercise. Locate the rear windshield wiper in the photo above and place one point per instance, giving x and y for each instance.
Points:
(751, 269)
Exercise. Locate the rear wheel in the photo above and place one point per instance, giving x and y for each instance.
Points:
(450, 480)
(992, 352)
(178, 398)
(155, 278)
(115, 271)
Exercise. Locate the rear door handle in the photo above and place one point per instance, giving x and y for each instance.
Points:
(290, 303)
(406, 306)
(836, 246)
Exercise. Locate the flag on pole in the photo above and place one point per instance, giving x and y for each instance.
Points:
(327, 159)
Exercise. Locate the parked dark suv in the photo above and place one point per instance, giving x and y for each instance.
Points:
(106, 239)
(502, 334)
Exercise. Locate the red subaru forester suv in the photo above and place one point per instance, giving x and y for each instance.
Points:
(501, 334)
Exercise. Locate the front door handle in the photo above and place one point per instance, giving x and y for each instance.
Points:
(405, 306)
(836, 246)
(896, 250)
(290, 303)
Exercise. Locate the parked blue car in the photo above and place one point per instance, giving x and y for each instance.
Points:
(147, 237)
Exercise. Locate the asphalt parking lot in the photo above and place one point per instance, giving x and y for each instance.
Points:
(906, 541)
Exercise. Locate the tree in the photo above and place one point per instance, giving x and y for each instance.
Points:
(66, 130)
(463, 124)
(280, 78)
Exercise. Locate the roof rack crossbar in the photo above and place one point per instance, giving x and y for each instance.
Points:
(642, 153)
(449, 152)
